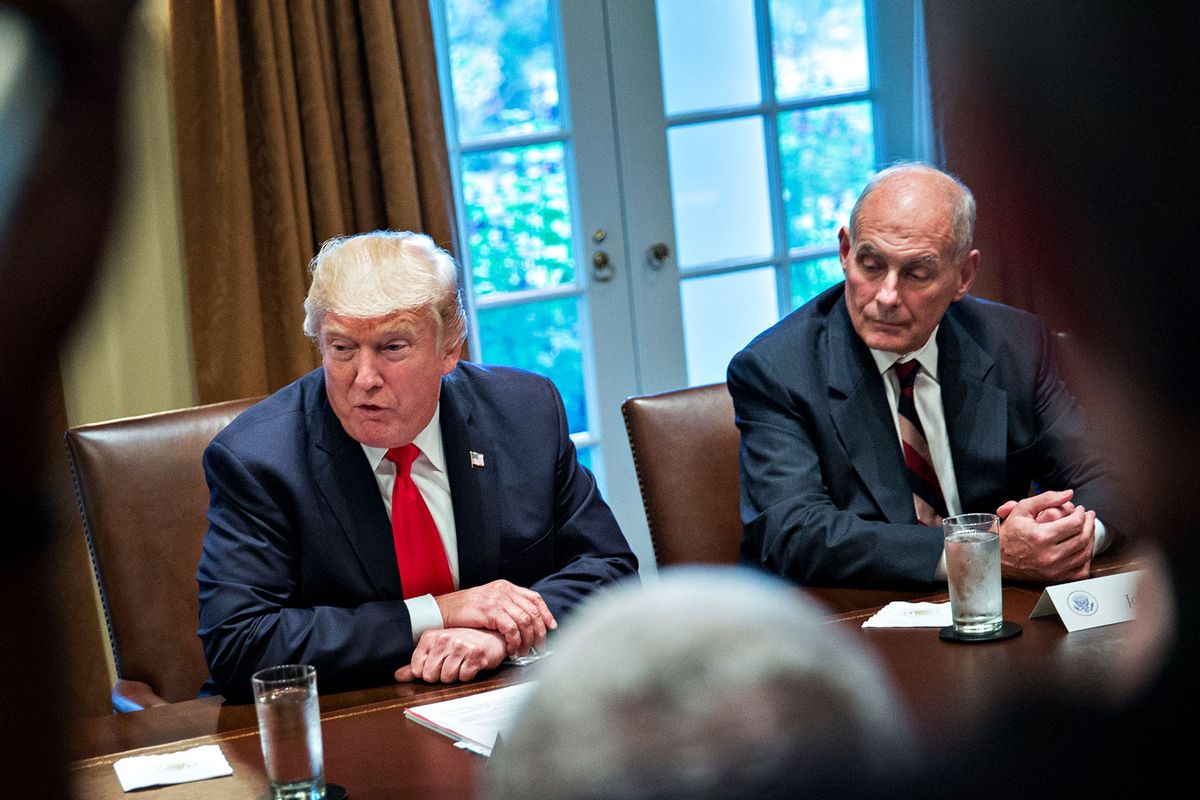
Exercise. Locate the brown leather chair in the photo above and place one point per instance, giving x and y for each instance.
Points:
(685, 450)
(142, 495)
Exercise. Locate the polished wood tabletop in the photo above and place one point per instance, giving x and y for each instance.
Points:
(372, 750)
(369, 746)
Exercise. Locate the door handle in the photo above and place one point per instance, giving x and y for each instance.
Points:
(657, 254)
(602, 269)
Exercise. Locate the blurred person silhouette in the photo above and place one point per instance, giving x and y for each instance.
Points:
(712, 683)
(1097, 104)
(59, 69)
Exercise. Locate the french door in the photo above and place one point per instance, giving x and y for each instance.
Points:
(644, 186)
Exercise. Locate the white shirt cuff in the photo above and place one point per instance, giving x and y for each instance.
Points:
(423, 615)
(1099, 539)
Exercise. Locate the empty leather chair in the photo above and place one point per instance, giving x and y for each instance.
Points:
(685, 450)
(142, 495)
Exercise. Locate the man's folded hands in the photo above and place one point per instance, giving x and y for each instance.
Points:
(1046, 538)
(450, 655)
(516, 613)
(483, 626)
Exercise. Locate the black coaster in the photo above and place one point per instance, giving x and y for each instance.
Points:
(332, 792)
(1006, 631)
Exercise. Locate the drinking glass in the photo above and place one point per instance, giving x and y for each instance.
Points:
(289, 724)
(973, 573)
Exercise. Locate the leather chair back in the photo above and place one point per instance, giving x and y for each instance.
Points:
(685, 450)
(142, 495)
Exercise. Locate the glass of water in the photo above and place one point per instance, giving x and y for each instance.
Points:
(973, 572)
(289, 724)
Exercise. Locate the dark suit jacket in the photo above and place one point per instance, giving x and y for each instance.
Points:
(298, 565)
(823, 494)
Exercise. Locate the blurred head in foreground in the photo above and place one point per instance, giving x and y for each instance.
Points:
(712, 683)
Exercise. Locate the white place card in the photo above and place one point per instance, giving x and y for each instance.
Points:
(1091, 603)
(196, 764)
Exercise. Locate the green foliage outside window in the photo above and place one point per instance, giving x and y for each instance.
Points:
(518, 219)
(502, 67)
(542, 337)
(828, 155)
(811, 277)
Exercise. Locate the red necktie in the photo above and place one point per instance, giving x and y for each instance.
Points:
(918, 467)
(419, 551)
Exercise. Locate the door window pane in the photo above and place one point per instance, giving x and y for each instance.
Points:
(820, 47)
(721, 314)
(827, 155)
(813, 276)
(542, 337)
(719, 191)
(502, 67)
(709, 55)
(518, 218)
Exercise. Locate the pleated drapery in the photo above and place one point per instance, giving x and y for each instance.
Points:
(296, 122)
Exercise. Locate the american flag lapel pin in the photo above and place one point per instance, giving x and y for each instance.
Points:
(476, 460)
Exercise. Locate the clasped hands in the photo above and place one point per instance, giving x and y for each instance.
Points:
(1046, 538)
(483, 625)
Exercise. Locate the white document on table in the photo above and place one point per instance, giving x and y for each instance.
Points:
(196, 764)
(475, 719)
(898, 614)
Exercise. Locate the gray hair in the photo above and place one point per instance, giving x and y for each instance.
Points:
(962, 205)
(379, 273)
(713, 683)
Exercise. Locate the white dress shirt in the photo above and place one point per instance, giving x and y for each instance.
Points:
(927, 396)
(429, 475)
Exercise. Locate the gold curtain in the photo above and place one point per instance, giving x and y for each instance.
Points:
(296, 122)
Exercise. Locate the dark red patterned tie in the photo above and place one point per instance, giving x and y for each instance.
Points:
(420, 554)
(918, 466)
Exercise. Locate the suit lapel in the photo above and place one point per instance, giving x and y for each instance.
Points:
(349, 488)
(976, 411)
(863, 420)
(473, 489)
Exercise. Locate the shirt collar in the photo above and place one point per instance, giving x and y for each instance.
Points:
(428, 440)
(926, 356)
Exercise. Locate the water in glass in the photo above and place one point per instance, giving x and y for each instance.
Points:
(290, 727)
(973, 572)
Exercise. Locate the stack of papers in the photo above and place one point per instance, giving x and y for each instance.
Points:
(473, 721)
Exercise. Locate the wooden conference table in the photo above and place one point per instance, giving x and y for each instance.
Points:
(375, 753)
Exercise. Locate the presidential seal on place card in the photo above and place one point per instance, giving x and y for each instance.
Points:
(1091, 603)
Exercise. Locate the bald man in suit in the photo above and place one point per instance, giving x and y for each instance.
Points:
(828, 400)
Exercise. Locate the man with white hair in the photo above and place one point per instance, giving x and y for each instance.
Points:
(396, 512)
(713, 683)
(894, 399)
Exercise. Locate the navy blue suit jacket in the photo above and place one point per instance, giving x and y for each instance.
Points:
(298, 565)
(823, 493)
